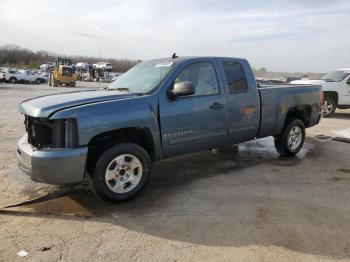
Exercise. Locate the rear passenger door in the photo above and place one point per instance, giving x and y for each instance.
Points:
(242, 100)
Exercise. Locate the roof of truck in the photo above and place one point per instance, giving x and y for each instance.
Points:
(194, 58)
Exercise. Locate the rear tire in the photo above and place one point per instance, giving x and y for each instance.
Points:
(328, 107)
(292, 138)
(72, 84)
(38, 81)
(121, 172)
(13, 80)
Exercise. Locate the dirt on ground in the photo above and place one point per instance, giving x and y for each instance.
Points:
(237, 204)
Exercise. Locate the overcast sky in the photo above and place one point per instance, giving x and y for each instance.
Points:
(290, 35)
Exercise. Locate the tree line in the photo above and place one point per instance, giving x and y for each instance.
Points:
(17, 57)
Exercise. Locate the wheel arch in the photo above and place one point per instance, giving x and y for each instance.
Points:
(332, 94)
(141, 136)
(299, 112)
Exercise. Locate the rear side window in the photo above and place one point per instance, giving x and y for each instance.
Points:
(235, 76)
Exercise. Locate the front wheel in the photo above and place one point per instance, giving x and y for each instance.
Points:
(292, 138)
(55, 82)
(328, 107)
(121, 172)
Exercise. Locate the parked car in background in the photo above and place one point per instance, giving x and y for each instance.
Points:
(14, 76)
(158, 109)
(2, 76)
(336, 88)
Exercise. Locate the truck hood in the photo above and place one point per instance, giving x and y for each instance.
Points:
(45, 106)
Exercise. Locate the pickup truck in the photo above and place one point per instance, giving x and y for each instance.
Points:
(158, 109)
(336, 88)
(14, 76)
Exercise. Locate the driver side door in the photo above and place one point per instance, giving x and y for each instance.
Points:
(195, 122)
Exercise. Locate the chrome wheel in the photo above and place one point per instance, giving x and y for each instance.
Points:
(295, 137)
(123, 173)
(327, 107)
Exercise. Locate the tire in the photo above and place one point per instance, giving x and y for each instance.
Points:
(72, 84)
(13, 80)
(328, 107)
(55, 82)
(118, 189)
(38, 81)
(292, 138)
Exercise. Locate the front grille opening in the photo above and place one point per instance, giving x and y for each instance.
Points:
(39, 132)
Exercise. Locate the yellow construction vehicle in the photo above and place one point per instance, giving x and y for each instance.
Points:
(62, 73)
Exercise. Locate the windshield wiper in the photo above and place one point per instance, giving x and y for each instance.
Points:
(120, 89)
(125, 89)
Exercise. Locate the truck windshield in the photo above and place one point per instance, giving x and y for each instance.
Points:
(143, 77)
(335, 76)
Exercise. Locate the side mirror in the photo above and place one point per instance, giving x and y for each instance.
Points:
(184, 88)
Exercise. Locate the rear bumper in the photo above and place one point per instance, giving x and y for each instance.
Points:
(52, 166)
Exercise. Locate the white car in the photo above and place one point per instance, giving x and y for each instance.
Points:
(336, 89)
(13, 76)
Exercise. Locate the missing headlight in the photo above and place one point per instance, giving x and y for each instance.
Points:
(71, 137)
(65, 133)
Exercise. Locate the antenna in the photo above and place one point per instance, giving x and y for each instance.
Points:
(174, 56)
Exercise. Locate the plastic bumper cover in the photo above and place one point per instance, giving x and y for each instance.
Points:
(52, 166)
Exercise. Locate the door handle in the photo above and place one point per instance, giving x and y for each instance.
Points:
(216, 105)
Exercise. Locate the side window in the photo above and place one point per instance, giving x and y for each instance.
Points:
(236, 79)
(203, 76)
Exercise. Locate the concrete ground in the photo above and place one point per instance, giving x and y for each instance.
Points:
(245, 205)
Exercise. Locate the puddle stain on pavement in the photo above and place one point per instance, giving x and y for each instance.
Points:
(59, 202)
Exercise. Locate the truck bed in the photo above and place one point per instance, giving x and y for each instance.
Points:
(276, 100)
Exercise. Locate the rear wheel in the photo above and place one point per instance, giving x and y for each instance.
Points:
(328, 107)
(72, 84)
(13, 80)
(121, 172)
(38, 81)
(292, 138)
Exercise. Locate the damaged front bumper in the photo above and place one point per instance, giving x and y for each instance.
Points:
(52, 166)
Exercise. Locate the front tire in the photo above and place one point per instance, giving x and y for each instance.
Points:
(328, 107)
(55, 82)
(292, 138)
(121, 172)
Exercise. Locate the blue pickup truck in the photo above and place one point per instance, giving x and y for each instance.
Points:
(158, 109)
